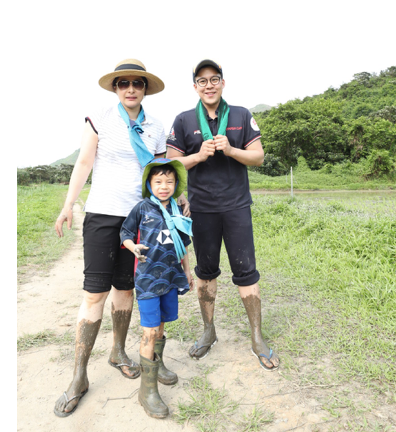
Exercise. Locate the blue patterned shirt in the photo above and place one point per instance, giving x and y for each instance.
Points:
(161, 272)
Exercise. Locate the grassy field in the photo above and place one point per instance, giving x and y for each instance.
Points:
(328, 291)
(328, 284)
(341, 257)
(343, 177)
(38, 245)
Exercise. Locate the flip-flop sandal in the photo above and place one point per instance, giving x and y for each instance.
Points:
(194, 349)
(268, 358)
(134, 366)
(64, 413)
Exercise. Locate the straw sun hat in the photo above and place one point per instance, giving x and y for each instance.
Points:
(132, 67)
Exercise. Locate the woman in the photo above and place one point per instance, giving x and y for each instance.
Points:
(116, 143)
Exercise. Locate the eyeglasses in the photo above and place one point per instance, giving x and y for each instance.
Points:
(137, 84)
(202, 82)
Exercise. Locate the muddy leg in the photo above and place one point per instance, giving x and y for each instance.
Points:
(89, 320)
(250, 296)
(121, 312)
(150, 335)
(207, 290)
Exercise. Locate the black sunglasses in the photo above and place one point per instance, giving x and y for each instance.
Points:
(137, 84)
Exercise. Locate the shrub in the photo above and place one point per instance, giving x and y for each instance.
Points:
(23, 177)
(272, 166)
(302, 165)
(379, 163)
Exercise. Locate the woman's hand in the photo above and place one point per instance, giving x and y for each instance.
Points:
(65, 215)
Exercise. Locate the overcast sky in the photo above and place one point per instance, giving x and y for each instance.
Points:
(271, 52)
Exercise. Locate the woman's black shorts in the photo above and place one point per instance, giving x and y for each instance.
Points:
(106, 264)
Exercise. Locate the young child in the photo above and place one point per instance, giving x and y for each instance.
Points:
(158, 235)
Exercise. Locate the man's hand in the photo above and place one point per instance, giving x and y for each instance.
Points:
(207, 149)
(222, 144)
(137, 252)
(65, 215)
(184, 204)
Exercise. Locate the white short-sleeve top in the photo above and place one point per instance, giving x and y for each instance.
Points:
(117, 174)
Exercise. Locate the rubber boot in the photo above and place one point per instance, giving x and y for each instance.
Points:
(149, 397)
(165, 376)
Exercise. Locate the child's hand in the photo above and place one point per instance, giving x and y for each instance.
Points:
(137, 252)
(190, 281)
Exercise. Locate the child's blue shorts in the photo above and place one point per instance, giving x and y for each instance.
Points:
(159, 309)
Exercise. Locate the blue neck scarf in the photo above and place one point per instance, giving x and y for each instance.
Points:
(175, 221)
(134, 131)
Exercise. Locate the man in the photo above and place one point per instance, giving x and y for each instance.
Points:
(216, 143)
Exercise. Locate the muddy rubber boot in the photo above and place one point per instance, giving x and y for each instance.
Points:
(149, 397)
(165, 376)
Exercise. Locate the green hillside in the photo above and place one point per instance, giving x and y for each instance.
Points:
(69, 160)
(354, 124)
(260, 108)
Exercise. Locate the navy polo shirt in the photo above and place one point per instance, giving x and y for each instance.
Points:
(220, 183)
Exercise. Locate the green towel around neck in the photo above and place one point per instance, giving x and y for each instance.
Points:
(222, 116)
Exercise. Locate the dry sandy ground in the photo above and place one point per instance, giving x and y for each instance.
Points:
(43, 373)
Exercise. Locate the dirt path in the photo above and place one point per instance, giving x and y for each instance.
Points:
(43, 373)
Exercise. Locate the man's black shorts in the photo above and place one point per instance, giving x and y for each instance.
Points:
(106, 264)
(235, 228)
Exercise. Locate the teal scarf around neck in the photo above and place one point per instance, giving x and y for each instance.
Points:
(175, 221)
(134, 131)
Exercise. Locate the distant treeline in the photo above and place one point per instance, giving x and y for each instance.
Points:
(45, 173)
(353, 124)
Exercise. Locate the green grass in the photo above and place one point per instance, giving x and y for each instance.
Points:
(255, 420)
(84, 193)
(336, 264)
(328, 287)
(210, 409)
(43, 338)
(183, 329)
(38, 244)
(340, 178)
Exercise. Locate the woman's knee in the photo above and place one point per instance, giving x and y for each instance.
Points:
(95, 299)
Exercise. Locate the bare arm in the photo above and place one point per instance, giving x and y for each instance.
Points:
(253, 155)
(79, 176)
(159, 156)
(207, 149)
(187, 271)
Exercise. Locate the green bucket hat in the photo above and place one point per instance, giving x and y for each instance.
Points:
(179, 168)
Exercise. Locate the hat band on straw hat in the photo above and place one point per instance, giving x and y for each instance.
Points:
(129, 66)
